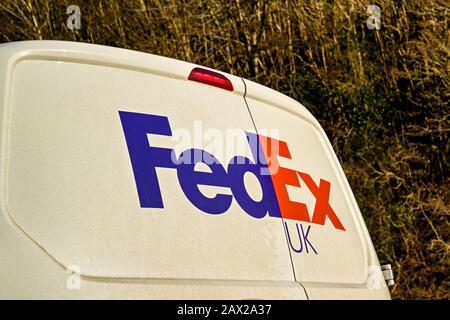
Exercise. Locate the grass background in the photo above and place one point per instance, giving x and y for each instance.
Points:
(382, 96)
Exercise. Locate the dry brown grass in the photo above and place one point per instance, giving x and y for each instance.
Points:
(382, 96)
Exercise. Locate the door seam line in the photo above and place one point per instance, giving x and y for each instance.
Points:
(282, 221)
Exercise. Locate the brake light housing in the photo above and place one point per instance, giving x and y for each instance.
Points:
(211, 78)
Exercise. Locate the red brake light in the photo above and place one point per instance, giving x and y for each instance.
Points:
(210, 77)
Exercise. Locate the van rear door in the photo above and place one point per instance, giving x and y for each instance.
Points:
(70, 184)
(331, 250)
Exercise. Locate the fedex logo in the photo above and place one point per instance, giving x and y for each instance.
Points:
(274, 179)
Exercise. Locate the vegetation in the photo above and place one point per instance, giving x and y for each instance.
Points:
(381, 95)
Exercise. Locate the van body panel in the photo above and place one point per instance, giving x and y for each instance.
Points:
(71, 205)
(343, 261)
(70, 187)
(27, 272)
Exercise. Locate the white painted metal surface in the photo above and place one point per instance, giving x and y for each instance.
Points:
(68, 195)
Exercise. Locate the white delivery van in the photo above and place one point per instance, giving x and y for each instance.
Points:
(129, 175)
